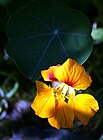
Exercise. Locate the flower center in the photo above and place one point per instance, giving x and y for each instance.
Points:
(62, 91)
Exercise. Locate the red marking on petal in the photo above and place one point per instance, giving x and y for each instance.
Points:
(52, 77)
(70, 83)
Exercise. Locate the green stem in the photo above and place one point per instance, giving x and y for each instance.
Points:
(8, 75)
(13, 91)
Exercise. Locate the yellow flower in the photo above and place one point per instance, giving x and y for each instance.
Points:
(58, 102)
(71, 73)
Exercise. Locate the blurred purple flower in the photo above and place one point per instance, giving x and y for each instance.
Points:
(19, 108)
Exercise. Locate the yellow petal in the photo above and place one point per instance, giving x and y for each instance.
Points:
(70, 72)
(85, 106)
(48, 74)
(73, 74)
(63, 117)
(44, 102)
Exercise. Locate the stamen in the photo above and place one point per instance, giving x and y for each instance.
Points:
(66, 100)
(63, 91)
(67, 93)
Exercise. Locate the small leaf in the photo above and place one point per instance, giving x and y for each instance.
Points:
(97, 34)
(44, 34)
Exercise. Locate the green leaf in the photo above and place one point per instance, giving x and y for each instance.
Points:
(97, 34)
(3, 20)
(44, 34)
(3, 2)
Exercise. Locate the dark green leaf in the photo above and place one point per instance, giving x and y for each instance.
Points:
(44, 34)
(3, 18)
(3, 2)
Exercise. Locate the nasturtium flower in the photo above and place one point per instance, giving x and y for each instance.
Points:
(58, 101)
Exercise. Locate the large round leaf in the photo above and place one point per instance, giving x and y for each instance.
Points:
(44, 34)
